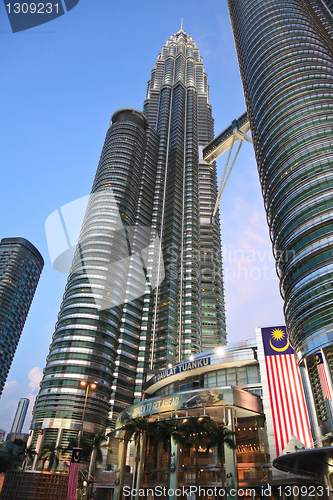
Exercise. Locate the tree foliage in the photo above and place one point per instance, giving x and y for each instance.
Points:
(51, 453)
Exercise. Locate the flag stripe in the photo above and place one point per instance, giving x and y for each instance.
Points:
(302, 409)
(287, 401)
(276, 423)
(287, 414)
(72, 481)
(277, 403)
(324, 381)
(294, 398)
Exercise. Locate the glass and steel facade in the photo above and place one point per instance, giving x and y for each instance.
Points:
(189, 314)
(20, 267)
(20, 415)
(231, 390)
(285, 54)
(150, 175)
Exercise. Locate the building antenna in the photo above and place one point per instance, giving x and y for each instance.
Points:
(181, 24)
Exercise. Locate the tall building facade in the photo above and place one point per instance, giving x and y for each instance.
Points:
(151, 184)
(285, 54)
(20, 267)
(20, 414)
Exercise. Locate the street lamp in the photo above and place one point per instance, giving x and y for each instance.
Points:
(90, 385)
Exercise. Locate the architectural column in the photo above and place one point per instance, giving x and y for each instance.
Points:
(174, 468)
(121, 467)
(231, 461)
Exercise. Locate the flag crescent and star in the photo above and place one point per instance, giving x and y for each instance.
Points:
(276, 341)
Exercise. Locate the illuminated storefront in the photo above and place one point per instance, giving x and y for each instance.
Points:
(227, 386)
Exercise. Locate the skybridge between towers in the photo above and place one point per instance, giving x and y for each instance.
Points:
(225, 141)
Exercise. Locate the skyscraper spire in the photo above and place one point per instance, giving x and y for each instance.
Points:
(153, 163)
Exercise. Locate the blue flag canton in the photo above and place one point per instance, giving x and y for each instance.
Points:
(276, 341)
(76, 455)
(319, 358)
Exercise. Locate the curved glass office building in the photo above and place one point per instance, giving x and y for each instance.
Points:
(285, 56)
(20, 267)
(145, 287)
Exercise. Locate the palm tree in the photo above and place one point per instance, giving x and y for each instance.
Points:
(135, 429)
(29, 455)
(50, 452)
(96, 454)
(20, 447)
(198, 427)
(166, 432)
(220, 436)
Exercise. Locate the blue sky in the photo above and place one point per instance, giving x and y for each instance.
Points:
(60, 84)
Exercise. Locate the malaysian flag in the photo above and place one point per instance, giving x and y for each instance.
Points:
(290, 417)
(73, 473)
(323, 376)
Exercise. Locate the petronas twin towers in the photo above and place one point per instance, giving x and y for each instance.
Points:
(146, 288)
(152, 201)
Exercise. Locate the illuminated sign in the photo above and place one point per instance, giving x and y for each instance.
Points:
(181, 401)
(185, 367)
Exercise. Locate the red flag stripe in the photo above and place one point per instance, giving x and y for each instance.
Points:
(287, 401)
(295, 395)
(280, 403)
(302, 412)
(277, 403)
(293, 427)
(289, 417)
(324, 381)
(72, 481)
(291, 383)
(272, 394)
(298, 426)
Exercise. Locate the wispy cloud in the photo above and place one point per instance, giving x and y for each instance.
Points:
(35, 376)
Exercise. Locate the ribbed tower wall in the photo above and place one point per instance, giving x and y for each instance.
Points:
(20, 267)
(177, 103)
(86, 340)
(151, 175)
(285, 57)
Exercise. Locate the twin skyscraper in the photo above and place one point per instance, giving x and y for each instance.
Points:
(145, 288)
(152, 178)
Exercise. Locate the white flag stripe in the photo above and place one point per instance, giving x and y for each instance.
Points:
(302, 409)
(277, 405)
(282, 407)
(274, 405)
(292, 428)
(297, 421)
(285, 395)
(324, 381)
(287, 400)
(72, 481)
